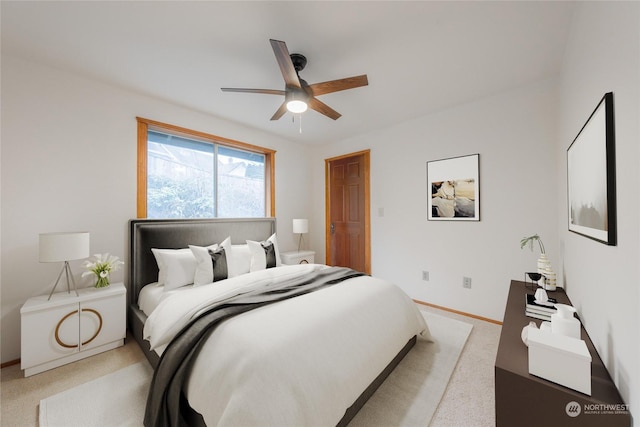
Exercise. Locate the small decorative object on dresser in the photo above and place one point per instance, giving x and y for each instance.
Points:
(560, 359)
(544, 265)
(564, 323)
(69, 327)
(525, 332)
(298, 257)
(102, 266)
(534, 276)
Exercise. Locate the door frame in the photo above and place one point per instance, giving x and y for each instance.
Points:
(367, 206)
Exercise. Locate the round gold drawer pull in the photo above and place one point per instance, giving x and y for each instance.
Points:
(65, 345)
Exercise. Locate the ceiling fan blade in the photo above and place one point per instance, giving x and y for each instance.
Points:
(284, 61)
(264, 91)
(280, 112)
(338, 85)
(323, 108)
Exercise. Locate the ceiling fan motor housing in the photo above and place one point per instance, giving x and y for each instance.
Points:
(295, 94)
(299, 61)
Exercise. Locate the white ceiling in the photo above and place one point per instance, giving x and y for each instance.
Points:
(420, 56)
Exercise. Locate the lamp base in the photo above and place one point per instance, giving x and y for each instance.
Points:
(67, 270)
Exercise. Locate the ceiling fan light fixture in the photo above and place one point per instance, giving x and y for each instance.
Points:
(298, 94)
(297, 106)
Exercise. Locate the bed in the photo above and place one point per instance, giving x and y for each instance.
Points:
(313, 357)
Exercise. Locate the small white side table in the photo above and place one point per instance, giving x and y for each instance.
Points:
(297, 257)
(70, 327)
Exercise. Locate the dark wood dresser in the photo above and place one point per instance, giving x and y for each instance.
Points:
(525, 400)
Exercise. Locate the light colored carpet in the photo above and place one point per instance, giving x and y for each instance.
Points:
(409, 397)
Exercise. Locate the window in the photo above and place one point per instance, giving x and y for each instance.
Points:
(189, 174)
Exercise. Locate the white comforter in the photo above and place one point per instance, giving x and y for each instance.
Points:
(299, 362)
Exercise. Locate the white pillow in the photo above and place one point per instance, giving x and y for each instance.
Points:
(240, 261)
(275, 245)
(259, 257)
(176, 267)
(203, 274)
(204, 269)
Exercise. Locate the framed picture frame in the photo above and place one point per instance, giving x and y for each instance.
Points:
(453, 187)
(591, 176)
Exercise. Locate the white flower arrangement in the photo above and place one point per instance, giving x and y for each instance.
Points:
(102, 266)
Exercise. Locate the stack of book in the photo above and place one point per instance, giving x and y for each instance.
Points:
(539, 311)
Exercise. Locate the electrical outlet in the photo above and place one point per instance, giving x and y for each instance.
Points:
(466, 282)
(425, 276)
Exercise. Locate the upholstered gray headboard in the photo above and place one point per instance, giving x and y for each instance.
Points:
(145, 234)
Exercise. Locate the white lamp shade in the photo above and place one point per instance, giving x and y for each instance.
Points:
(66, 246)
(300, 226)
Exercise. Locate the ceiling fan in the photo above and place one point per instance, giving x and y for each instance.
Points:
(298, 94)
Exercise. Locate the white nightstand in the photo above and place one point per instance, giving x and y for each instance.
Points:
(297, 257)
(70, 327)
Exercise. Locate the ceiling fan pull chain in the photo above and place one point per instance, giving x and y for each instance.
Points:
(300, 122)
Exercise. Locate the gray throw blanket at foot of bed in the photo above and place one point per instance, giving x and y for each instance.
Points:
(165, 394)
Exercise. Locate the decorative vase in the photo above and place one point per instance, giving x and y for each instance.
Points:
(550, 280)
(548, 275)
(543, 263)
(102, 282)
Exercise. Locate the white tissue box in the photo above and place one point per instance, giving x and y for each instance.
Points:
(561, 359)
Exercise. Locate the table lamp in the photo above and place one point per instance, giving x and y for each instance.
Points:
(300, 226)
(63, 247)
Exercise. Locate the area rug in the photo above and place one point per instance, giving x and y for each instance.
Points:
(408, 398)
(116, 399)
(410, 395)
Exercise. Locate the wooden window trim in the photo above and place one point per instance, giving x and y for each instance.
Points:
(144, 125)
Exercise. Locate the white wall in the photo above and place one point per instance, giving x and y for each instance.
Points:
(602, 55)
(514, 133)
(69, 163)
